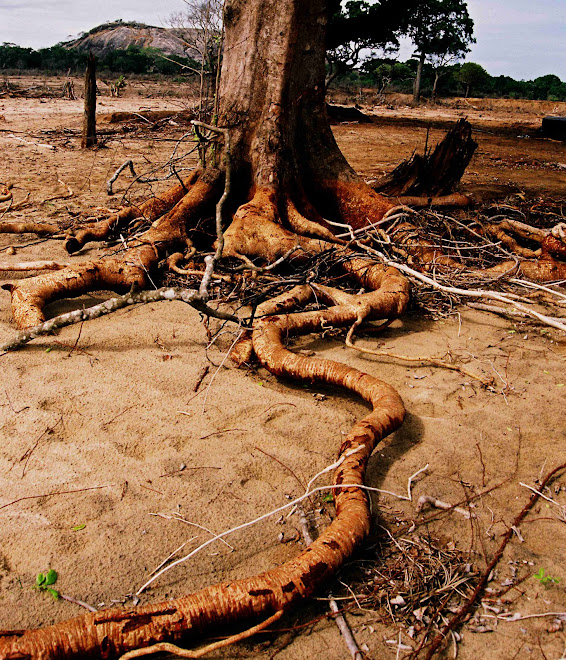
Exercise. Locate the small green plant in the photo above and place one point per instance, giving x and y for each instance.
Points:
(545, 579)
(44, 582)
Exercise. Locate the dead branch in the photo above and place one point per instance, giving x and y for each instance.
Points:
(129, 163)
(188, 296)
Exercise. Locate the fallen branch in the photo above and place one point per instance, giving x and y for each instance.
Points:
(504, 311)
(189, 296)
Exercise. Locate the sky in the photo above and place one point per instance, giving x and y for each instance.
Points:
(519, 38)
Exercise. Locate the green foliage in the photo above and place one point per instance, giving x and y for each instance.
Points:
(133, 60)
(361, 25)
(44, 582)
(473, 76)
(545, 580)
(441, 28)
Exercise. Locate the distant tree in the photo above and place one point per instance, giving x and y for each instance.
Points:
(473, 75)
(199, 25)
(441, 31)
(548, 88)
(386, 72)
(360, 26)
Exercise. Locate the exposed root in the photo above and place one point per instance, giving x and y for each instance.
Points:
(271, 226)
(184, 653)
(150, 210)
(454, 200)
(30, 296)
(115, 632)
(6, 193)
(38, 228)
(25, 266)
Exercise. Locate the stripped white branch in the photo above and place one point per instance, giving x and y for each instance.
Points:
(468, 293)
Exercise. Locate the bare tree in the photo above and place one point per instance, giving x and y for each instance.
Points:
(199, 25)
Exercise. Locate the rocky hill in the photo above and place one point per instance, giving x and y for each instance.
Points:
(119, 35)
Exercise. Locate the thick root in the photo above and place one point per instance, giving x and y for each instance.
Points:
(150, 210)
(256, 231)
(38, 228)
(356, 201)
(30, 296)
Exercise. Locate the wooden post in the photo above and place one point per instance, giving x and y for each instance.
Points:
(89, 121)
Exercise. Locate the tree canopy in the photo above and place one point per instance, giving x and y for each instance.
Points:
(360, 25)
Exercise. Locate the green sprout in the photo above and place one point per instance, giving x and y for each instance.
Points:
(44, 582)
(545, 579)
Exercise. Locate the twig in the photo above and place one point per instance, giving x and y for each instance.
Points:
(59, 492)
(504, 311)
(67, 195)
(210, 261)
(201, 377)
(346, 632)
(70, 599)
(432, 361)
(129, 163)
(176, 516)
(439, 504)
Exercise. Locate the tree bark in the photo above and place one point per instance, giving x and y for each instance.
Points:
(89, 121)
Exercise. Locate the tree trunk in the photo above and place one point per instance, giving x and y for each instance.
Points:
(273, 99)
(434, 87)
(418, 80)
(89, 121)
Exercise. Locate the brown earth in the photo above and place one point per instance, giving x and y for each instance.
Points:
(110, 406)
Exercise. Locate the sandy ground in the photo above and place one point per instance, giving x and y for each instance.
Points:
(100, 427)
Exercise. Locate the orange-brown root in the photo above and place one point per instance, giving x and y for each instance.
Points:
(39, 228)
(356, 202)
(256, 231)
(131, 269)
(455, 200)
(150, 210)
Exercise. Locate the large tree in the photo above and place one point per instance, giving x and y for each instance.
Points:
(281, 185)
(440, 30)
(286, 175)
